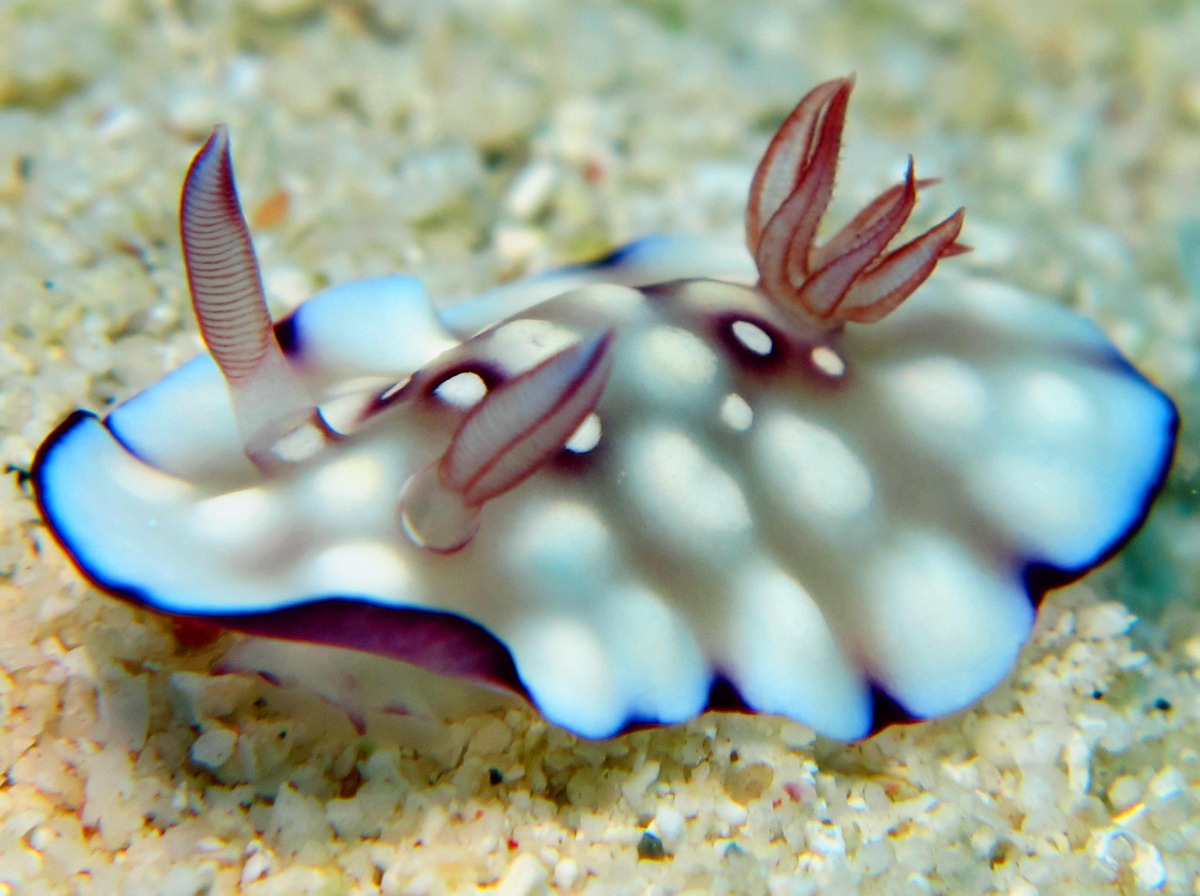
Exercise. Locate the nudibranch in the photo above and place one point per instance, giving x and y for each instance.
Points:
(682, 475)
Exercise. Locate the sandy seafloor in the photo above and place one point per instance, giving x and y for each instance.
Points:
(472, 141)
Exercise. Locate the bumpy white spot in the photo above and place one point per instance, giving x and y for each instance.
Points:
(1051, 504)
(784, 658)
(567, 671)
(752, 337)
(367, 569)
(235, 518)
(463, 390)
(736, 413)
(828, 361)
(663, 674)
(682, 493)
(558, 551)
(673, 367)
(1049, 407)
(937, 391)
(817, 476)
(938, 630)
(587, 436)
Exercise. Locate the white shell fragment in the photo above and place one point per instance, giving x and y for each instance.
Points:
(659, 483)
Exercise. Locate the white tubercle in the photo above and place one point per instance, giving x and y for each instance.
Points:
(276, 418)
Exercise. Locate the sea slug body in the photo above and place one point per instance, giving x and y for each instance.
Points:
(624, 490)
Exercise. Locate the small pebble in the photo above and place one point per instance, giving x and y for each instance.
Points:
(651, 848)
(214, 747)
